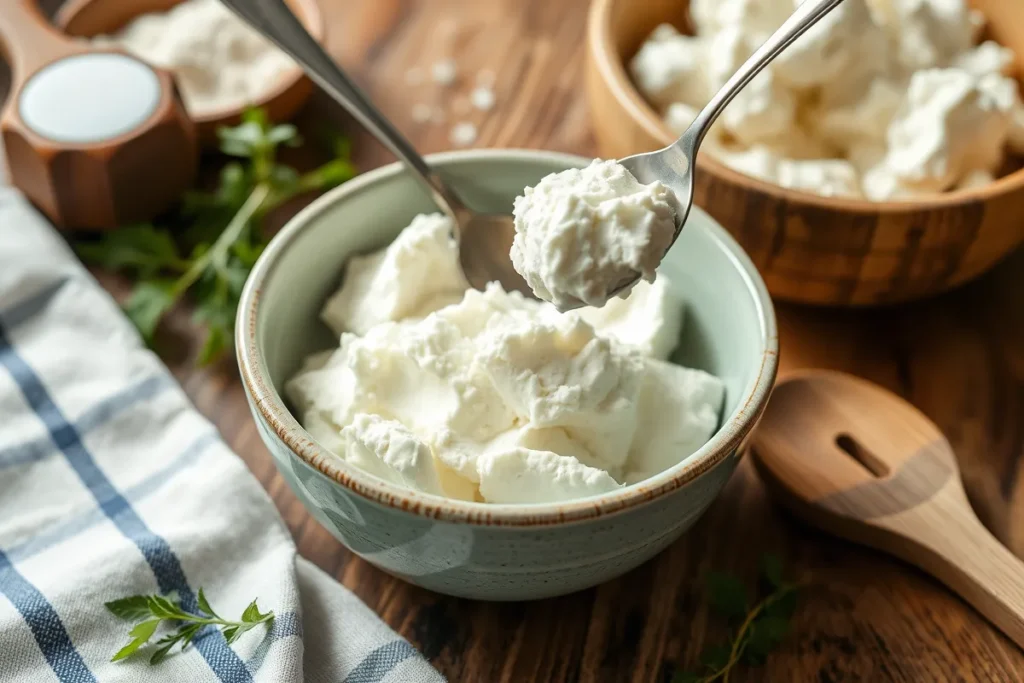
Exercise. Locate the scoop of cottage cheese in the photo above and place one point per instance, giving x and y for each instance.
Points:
(883, 99)
(498, 398)
(580, 234)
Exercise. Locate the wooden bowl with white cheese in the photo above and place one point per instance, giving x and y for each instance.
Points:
(811, 248)
(281, 93)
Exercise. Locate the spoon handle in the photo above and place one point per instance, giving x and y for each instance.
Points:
(805, 16)
(274, 20)
(953, 545)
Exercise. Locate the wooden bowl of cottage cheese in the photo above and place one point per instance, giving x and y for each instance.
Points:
(854, 173)
(221, 65)
(477, 443)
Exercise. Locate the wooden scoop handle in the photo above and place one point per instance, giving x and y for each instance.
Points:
(947, 540)
(28, 41)
(863, 464)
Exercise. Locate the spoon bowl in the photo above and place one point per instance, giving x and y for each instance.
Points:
(673, 165)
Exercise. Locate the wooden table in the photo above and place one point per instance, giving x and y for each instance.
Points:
(960, 358)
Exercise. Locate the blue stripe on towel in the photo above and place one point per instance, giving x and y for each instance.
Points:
(45, 624)
(96, 416)
(379, 663)
(285, 625)
(65, 529)
(33, 305)
(169, 574)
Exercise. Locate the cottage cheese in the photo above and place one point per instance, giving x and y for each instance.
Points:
(886, 99)
(951, 125)
(219, 61)
(581, 233)
(495, 397)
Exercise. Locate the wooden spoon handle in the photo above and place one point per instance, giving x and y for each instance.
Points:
(27, 39)
(965, 556)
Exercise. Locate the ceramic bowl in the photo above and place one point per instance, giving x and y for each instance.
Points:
(477, 550)
(88, 18)
(809, 248)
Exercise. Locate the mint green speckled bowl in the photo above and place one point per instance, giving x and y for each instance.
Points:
(476, 550)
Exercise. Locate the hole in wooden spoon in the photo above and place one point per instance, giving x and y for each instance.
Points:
(869, 460)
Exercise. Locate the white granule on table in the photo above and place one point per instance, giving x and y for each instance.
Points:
(218, 60)
(482, 98)
(463, 134)
(421, 113)
(444, 72)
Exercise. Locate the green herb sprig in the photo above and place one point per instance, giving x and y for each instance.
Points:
(207, 247)
(758, 628)
(150, 611)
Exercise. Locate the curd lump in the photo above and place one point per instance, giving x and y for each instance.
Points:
(581, 233)
(881, 99)
(489, 396)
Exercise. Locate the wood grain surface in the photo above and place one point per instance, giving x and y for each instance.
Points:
(959, 358)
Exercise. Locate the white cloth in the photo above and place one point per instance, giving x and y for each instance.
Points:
(111, 484)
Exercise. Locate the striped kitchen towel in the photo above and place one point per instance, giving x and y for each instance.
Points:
(111, 484)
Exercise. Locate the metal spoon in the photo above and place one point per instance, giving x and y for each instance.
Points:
(485, 239)
(673, 165)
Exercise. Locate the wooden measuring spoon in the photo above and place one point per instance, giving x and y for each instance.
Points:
(859, 462)
(94, 137)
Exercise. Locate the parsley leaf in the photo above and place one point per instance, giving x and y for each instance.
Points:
(762, 628)
(220, 230)
(150, 611)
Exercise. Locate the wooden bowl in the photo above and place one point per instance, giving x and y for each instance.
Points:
(88, 18)
(809, 248)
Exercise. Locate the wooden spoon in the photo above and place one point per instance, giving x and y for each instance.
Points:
(94, 137)
(859, 462)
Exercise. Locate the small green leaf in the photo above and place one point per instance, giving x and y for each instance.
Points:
(765, 635)
(143, 249)
(188, 633)
(134, 607)
(771, 570)
(242, 140)
(144, 629)
(783, 605)
(247, 254)
(128, 650)
(284, 134)
(727, 595)
(252, 614)
(284, 178)
(140, 635)
(716, 657)
(231, 633)
(148, 303)
(164, 646)
(165, 609)
(205, 605)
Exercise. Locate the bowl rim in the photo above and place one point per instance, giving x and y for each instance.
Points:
(312, 20)
(267, 402)
(612, 71)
